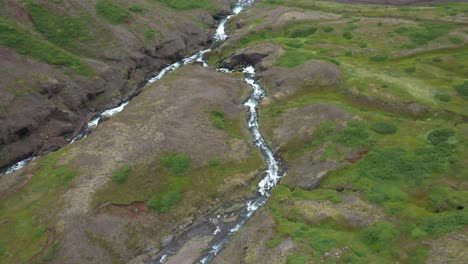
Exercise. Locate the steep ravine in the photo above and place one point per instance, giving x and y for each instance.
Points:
(43, 106)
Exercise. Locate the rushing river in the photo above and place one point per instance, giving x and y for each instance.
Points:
(223, 232)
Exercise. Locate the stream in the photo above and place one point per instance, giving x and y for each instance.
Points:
(223, 231)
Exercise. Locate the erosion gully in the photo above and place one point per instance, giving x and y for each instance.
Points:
(221, 231)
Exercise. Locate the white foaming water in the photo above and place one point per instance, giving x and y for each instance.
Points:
(272, 174)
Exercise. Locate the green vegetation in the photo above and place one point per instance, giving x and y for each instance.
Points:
(31, 210)
(168, 200)
(379, 236)
(384, 128)
(379, 57)
(120, 176)
(63, 31)
(176, 164)
(215, 161)
(136, 8)
(439, 136)
(425, 33)
(187, 4)
(217, 118)
(354, 135)
(462, 90)
(111, 12)
(24, 43)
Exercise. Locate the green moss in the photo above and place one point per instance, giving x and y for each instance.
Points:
(426, 32)
(111, 12)
(214, 162)
(445, 223)
(297, 259)
(49, 255)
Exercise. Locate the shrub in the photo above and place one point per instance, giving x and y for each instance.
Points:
(462, 90)
(355, 135)
(437, 60)
(169, 200)
(384, 128)
(111, 12)
(379, 236)
(136, 8)
(121, 175)
(328, 29)
(348, 35)
(303, 32)
(217, 118)
(443, 97)
(379, 57)
(456, 40)
(3, 250)
(176, 163)
(439, 136)
(410, 70)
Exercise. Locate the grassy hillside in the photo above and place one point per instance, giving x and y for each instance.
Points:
(406, 167)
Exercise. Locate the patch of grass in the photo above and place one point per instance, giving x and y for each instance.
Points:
(440, 136)
(164, 204)
(347, 35)
(297, 259)
(328, 29)
(24, 43)
(445, 223)
(218, 120)
(384, 128)
(39, 232)
(49, 255)
(111, 12)
(410, 70)
(136, 8)
(187, 4)
(215, 161)
(149, 33)
(456, 40)
(303, 32)
(120, 176)
(443, 97)
(462, 90)
(318, 194)
(176, 164)
(354, 135)
(62, 30)
(426, 32)
(379, 236)
(379, 57)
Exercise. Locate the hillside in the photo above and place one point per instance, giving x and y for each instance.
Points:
(365, 111)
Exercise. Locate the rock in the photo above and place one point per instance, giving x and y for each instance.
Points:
(167, 240)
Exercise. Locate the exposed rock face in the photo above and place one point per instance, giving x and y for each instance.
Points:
(449, 249)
